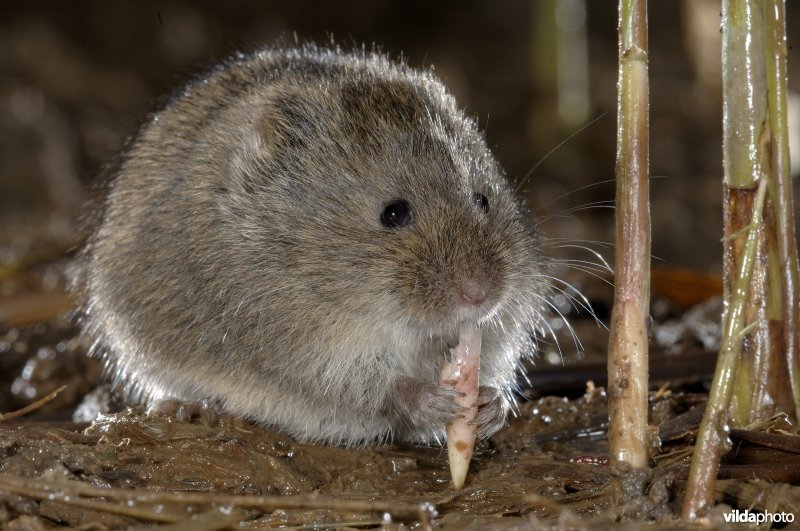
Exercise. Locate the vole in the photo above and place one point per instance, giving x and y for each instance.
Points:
(296, 237)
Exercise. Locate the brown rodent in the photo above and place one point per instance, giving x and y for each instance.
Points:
(296, 237)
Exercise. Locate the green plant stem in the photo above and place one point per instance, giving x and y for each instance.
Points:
(712, 437)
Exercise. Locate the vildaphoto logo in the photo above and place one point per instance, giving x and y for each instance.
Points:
(751, 517)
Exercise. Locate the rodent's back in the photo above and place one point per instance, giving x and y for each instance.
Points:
(242, 256)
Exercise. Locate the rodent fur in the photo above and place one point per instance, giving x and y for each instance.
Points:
(241, 258)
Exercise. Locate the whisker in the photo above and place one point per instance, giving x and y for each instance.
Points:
(604, 203)
(559, 240)
(580, 261)
(586, 305)
(584, 302)
(567, 213)
(566, 322)
(576, 190)
(592, 266)
(588, 271)
(583, 205)
(547, 328)
(547, 155)
(576, 304)
(593, 253)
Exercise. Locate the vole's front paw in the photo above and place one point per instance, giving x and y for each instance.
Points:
(425, 405)
(491, 412)
(184, 411)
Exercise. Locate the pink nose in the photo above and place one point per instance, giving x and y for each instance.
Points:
(474, 292)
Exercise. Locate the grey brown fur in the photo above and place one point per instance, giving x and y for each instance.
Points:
(241, 256)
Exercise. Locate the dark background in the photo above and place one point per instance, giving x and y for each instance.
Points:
(77, 78)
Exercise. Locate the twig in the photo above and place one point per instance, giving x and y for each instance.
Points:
(70, 492)
(64, 493)
(32, 406)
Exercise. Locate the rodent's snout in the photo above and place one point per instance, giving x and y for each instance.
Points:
(452, 266)
(474, 291)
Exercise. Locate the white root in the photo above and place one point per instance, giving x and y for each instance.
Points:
(461, 374)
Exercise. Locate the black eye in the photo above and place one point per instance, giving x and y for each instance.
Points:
(396, 214)
(482, 201)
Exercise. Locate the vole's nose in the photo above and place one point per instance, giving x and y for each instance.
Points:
(474, 291)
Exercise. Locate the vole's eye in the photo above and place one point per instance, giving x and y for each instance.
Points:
(396, 214)
(481, 200)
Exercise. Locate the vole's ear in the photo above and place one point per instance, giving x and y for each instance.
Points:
(269, 118)
(282, 120)
(271, 126)
(259, 137)
(286, 118)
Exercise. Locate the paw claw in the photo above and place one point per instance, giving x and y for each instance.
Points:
(491, 412)
(430, 407)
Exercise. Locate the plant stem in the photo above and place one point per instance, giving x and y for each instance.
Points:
(776, 71)
(712, 436)
(628, 344)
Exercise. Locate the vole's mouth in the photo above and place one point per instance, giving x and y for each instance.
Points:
(447, 327)
(478, 314)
